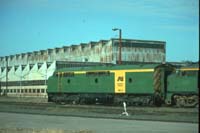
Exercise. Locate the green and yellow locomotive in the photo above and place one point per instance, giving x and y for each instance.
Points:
(139, 84)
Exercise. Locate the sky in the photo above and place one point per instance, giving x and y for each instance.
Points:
(33, 25)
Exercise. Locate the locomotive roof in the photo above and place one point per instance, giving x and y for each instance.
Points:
(126, 67)
(109, 67)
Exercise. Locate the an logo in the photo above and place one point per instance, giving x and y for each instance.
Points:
(120, 78)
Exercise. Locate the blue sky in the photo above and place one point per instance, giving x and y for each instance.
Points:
(33, 25)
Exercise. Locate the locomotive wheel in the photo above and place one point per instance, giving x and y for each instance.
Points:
(180, 102)
(150, 102)
(157, 100)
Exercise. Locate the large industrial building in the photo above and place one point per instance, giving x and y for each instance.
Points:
(26, 74)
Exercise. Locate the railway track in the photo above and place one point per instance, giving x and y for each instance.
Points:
(99, 111)
(103, 107)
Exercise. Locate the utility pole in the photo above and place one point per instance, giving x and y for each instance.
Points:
(0, 86)
(120, 44)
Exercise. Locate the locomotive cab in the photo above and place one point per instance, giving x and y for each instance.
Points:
(176, 85)
(183, 86)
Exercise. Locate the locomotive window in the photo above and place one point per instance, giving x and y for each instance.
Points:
(64, 74)
(192, 73)
(58, 74)
(101, 73)
(130, 80)
(183, 73)
(22, 91)
(68, 74)
(96, 80)
(187, 73)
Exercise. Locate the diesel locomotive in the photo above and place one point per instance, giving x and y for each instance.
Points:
(138, 84)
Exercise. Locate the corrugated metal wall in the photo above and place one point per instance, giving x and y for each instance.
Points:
(105, 51)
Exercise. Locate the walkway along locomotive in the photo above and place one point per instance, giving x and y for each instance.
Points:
(139, 84)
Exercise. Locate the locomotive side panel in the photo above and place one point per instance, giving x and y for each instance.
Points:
(139, 82)
(52, 83)
(81, 82)
(183, 81)
(89, 83)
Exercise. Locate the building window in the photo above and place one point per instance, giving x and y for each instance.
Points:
(42, 90)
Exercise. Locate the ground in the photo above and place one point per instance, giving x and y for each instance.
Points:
(28, 123)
